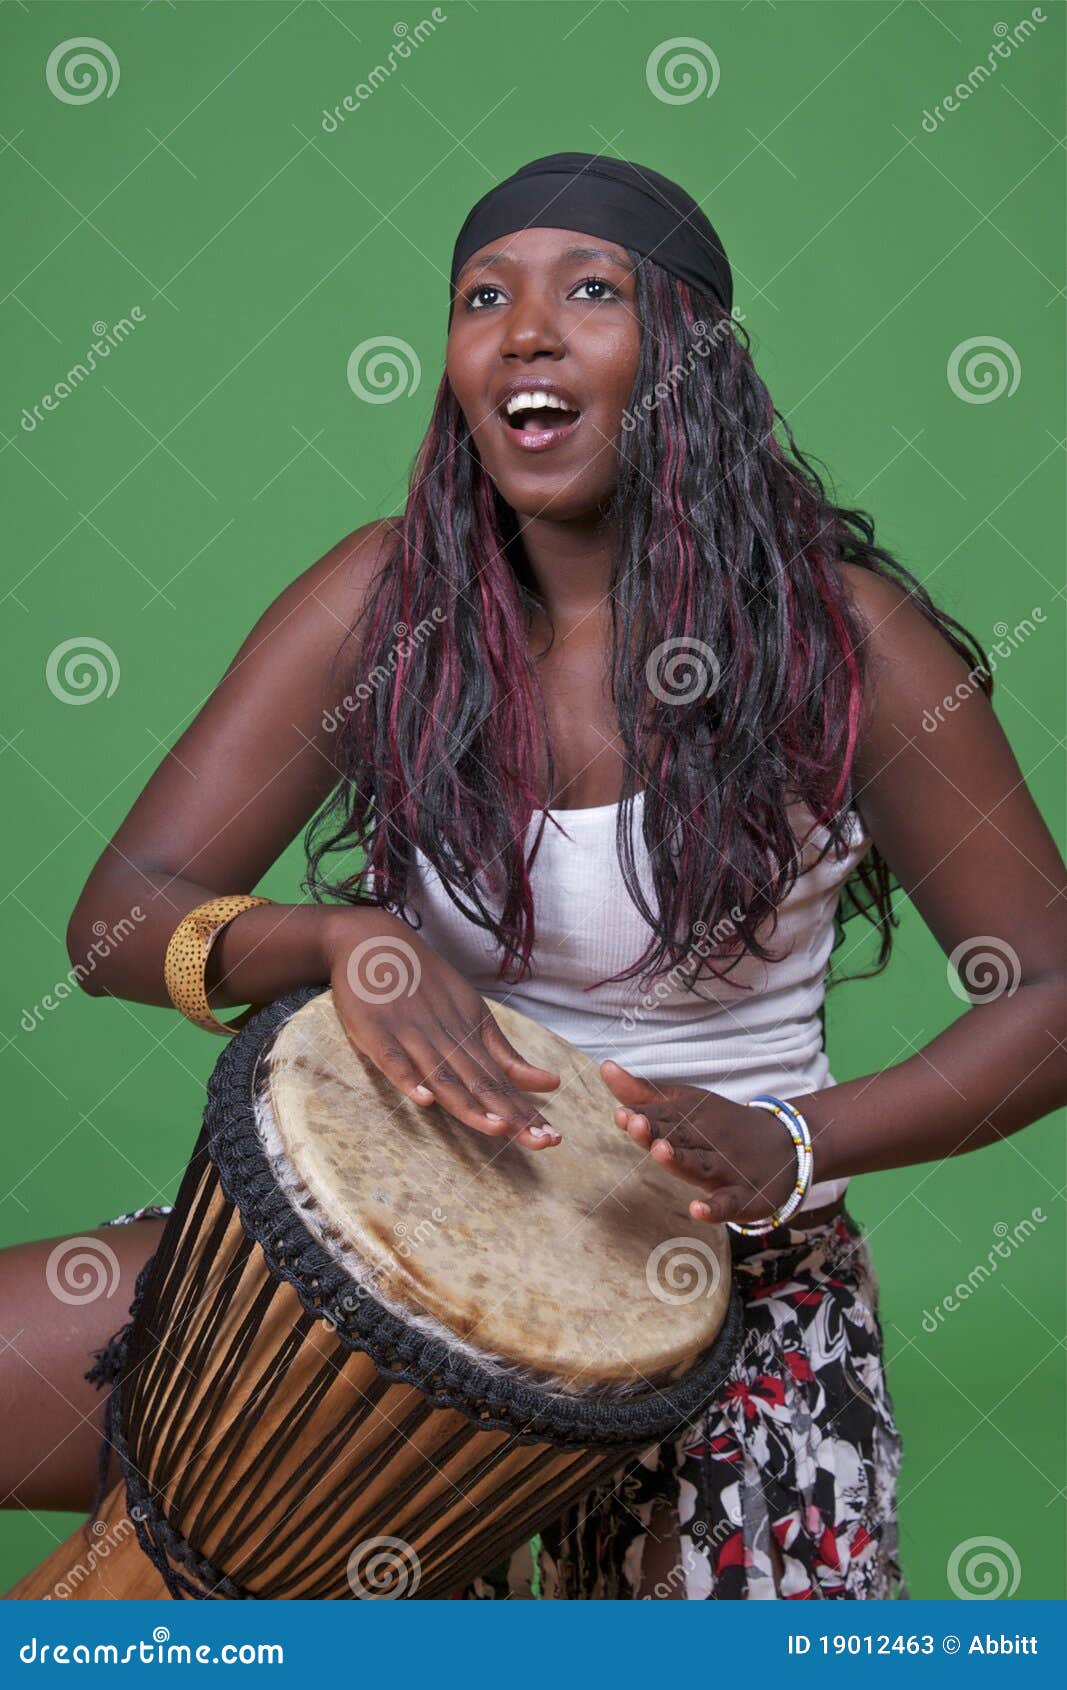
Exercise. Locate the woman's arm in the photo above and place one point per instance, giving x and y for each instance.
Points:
(237, 787)
(949, 809)
(950, 812)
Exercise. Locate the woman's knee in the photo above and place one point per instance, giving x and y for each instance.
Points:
(61, 1299)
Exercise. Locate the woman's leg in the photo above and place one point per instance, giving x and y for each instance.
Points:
(661, 1559)
(662, 1573)
(61, 1299)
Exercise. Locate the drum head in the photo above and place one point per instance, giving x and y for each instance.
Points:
(579, 1264)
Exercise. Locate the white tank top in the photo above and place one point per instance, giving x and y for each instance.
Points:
(727, 1040)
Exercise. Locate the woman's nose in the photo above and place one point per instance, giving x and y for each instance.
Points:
(531, 325)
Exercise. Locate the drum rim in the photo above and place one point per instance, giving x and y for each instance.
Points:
(527, 1410)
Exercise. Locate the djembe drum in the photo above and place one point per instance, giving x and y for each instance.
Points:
(375, 1349)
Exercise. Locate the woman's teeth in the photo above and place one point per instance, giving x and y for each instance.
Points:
(536, 411)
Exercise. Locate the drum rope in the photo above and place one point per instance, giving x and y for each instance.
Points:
(499, 1402)
(218, 1409)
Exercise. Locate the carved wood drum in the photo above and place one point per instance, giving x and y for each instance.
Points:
(376, 1350)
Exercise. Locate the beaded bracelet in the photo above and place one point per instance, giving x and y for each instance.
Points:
(800, 1133)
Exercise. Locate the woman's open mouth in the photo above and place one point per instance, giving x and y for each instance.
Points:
(534, 427)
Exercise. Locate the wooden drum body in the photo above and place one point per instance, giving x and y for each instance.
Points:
(377, 1350)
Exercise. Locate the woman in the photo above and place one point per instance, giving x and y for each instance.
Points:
(615, 595)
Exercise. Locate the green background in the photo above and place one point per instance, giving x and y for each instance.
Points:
(220, 450)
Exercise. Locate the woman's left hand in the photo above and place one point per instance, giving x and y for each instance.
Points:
(740, 1158)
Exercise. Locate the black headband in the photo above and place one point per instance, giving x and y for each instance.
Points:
(626, 203)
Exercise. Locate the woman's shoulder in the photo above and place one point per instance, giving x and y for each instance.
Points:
(307, 625)
(340, 580)
(907, 657)
(302, 644)
(896, 622)
(872, 596)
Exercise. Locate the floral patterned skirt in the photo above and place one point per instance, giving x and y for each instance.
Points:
(786, 1486)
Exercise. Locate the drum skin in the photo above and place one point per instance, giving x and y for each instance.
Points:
(274, 1457)
(576, 1263)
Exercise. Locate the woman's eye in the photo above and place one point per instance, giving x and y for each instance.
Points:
(475, 302)
(599, 282)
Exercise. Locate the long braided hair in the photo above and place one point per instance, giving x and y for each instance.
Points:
(737, 669)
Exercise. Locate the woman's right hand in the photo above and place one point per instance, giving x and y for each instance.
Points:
(428, 1031)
